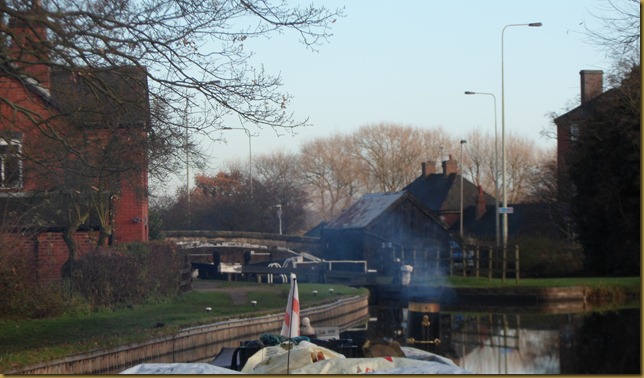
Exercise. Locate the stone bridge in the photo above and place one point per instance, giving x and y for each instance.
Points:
(295, 243)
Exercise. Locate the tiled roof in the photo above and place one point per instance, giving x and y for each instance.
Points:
(440, 192)
(365, 211)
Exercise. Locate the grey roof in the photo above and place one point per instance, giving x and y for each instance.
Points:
(440, 192)
(365, 210)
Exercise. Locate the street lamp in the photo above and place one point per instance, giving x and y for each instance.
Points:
(461, 216)
(187, 160)
(505, 196)
(496, 166)
(279, 216)
(250, 155)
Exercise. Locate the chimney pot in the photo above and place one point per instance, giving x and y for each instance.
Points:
(450, 166)
(428, 168)
(591, 84)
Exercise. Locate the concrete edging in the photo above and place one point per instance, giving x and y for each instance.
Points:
(198, 344)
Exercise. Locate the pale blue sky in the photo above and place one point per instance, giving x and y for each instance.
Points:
(410, 61)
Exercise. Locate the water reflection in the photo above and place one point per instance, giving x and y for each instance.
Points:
(512, 342)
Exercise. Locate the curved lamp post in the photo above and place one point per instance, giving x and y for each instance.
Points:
(505, 197)
(496, 166)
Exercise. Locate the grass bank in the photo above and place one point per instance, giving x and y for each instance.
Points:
(31, 341)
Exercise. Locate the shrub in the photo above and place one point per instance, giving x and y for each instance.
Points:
(107, 278)
(155, 223)
(127, 275)
(548, 258)
(22, 296)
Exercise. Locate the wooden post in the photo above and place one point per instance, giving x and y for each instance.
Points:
(490, 258)
(504, 263)
(478, 256)
(463, 261)
(516, 262)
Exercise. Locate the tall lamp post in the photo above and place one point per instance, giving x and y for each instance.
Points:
(187, 161)
(250, 155)
(505, 196)
(461, 215)
(496, 166)
(279, 216)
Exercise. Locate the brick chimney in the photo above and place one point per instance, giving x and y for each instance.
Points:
(481, 205)
(591, 84)
(429, 167)
(450, 166)
(28, 48)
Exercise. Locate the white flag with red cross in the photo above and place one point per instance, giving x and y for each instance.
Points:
(291, 326)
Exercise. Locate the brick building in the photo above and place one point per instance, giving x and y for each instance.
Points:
(382, 227)
(568, 126)
(440, 192)
(69, 137)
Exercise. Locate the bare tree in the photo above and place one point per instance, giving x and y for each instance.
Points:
(328, 171)
(193, 54)
(279, 175)
(188, 58)
(185, 47)
(522, 161)
(619, 31)
(391, 154)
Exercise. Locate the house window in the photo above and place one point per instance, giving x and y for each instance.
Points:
(10, 163)
(574, 132)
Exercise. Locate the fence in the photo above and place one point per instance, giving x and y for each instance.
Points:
(471, 261)
(185, 278)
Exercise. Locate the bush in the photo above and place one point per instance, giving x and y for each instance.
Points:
(127, 275)
(22, 296)
(155, 225)
(548, 258)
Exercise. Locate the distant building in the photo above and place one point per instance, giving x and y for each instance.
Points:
(381, 228)
(569, 126)
(441, 193)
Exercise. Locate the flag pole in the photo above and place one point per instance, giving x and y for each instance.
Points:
(290, 326)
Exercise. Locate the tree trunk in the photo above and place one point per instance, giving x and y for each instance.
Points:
(72, 247)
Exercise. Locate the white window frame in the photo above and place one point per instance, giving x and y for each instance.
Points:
(574, 132)
(15, 141)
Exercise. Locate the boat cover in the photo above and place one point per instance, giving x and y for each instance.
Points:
(309, 358)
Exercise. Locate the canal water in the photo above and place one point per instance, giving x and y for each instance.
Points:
(515, 342)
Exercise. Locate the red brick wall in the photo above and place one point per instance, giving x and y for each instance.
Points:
(131, 208)
(131, 215)
(50, 252)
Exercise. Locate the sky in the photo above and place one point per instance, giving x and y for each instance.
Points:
(409, 62)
